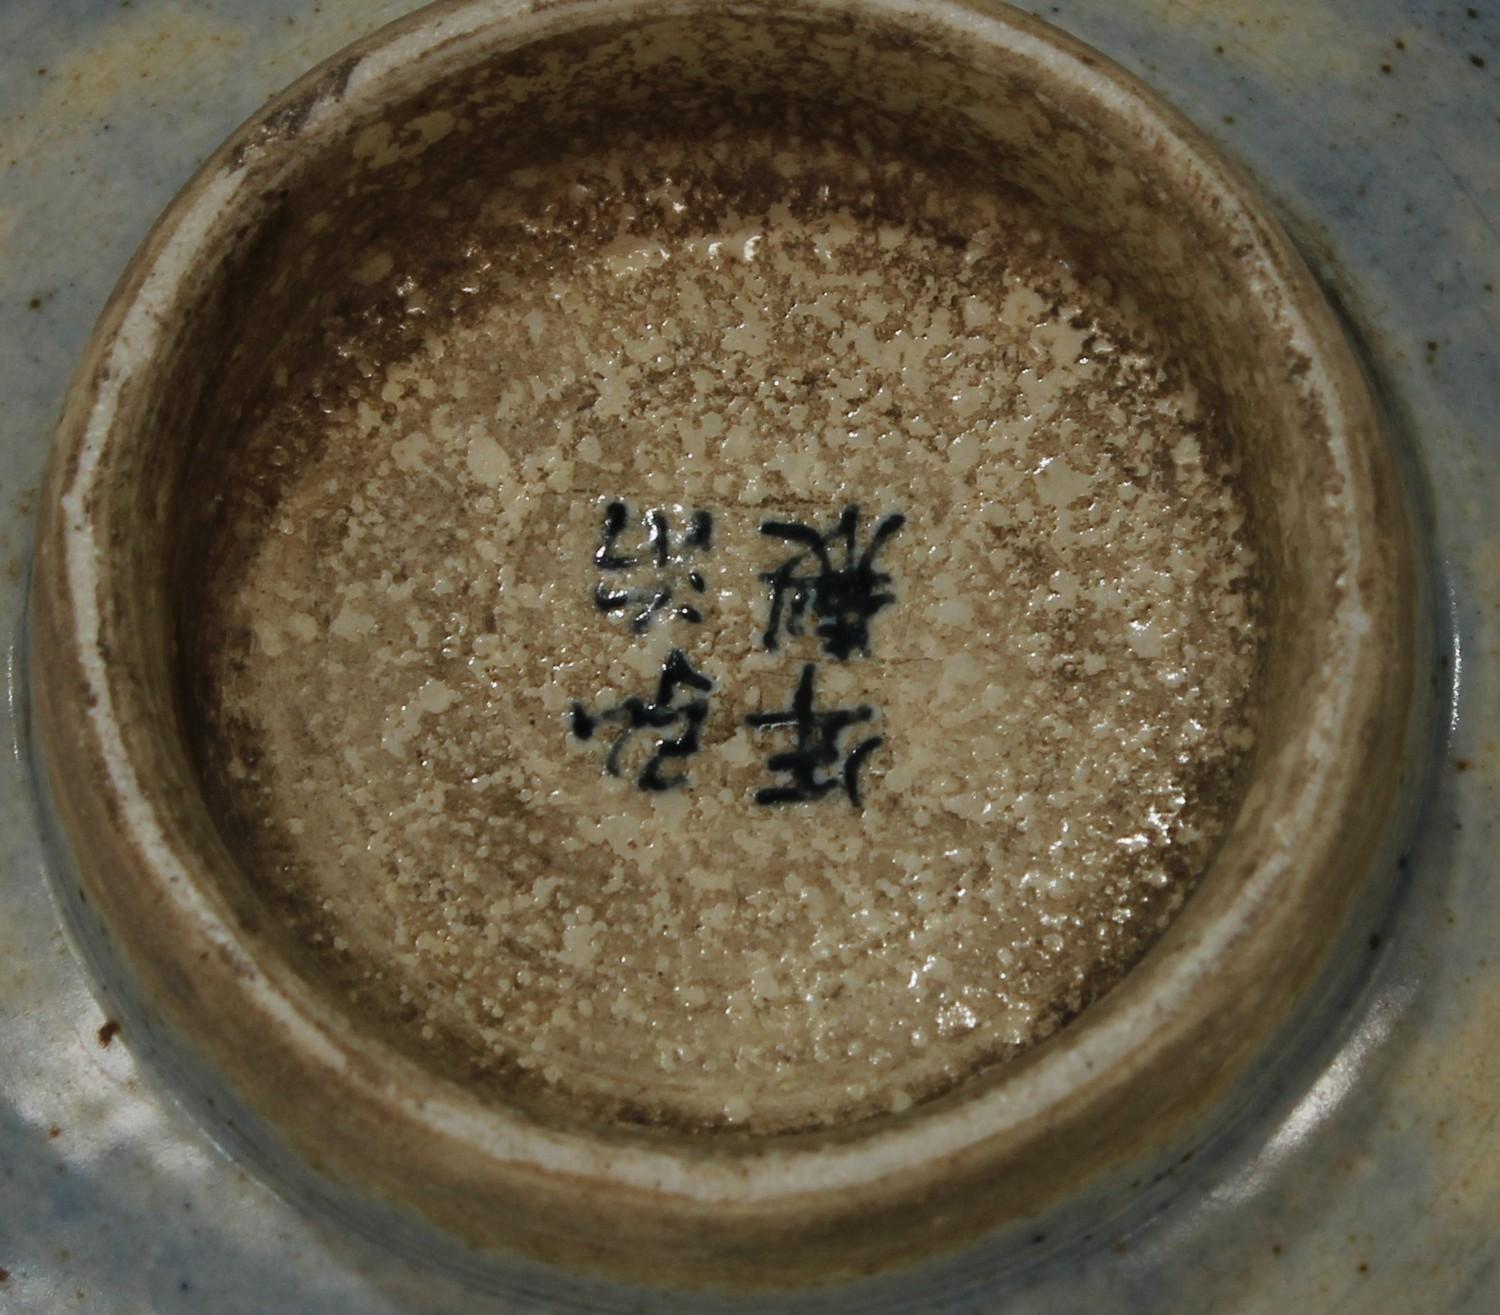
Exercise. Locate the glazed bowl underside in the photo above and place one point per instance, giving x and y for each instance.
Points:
(259, 383)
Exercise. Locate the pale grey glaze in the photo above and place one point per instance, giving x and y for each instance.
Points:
(1375, 1147)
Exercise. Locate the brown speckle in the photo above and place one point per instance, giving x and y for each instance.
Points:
(54, 1132)
(1386, 68)
(1477, 61)
(1462, 765)
(4, 1274)
(109, 1032)
(1364, 1266)
(636, 941)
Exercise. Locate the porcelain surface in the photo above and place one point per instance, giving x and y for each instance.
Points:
(1366, 1166)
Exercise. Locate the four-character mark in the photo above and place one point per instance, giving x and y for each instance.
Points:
(831, 580)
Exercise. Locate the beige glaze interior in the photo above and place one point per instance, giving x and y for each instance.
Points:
(234, 293)
(759, 314)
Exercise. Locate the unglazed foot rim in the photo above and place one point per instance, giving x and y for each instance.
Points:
(1159, 1049)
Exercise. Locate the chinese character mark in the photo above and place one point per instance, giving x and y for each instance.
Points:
(843, 596)
(663, 713)
(645, 603)
(817, 751)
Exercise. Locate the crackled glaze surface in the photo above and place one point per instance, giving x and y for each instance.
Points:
(1318, 1199)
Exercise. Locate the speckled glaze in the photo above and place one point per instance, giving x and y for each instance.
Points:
(1369, 1122)
(197, 314)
